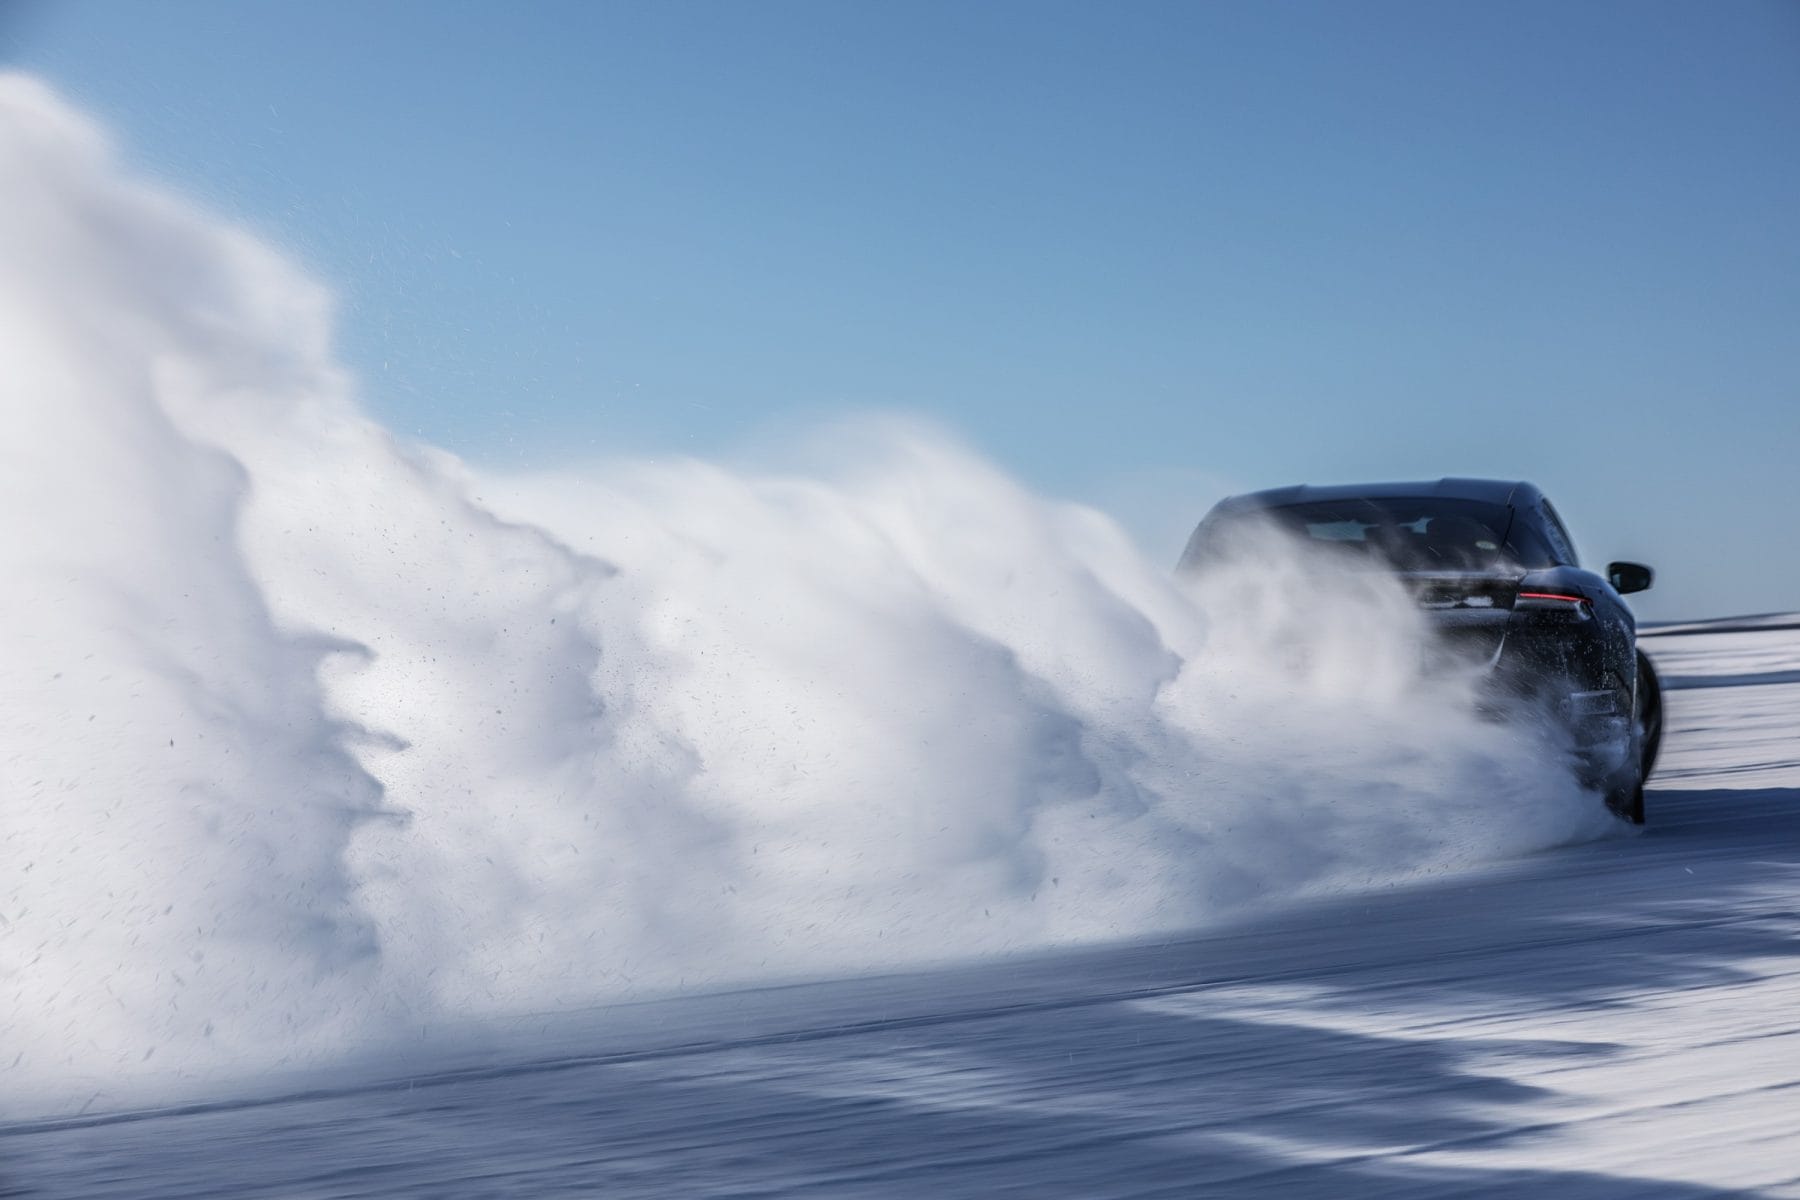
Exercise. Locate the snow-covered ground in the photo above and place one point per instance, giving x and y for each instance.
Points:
(1620, 1018)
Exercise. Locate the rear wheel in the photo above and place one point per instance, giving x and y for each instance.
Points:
(1628, 802)
(1648, 717)
(1627, 797)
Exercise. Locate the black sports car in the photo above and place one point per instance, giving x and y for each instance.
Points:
(1496, 572)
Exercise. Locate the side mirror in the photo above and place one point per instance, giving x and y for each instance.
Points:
(1628, 577)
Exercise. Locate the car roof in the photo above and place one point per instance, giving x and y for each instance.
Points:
(1513, 493)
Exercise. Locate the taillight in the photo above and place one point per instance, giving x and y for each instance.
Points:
(1551, 602)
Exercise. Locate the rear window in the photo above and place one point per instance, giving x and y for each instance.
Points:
(1426, 534)
(1418, 535)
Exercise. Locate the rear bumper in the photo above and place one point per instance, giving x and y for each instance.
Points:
(1547, 677)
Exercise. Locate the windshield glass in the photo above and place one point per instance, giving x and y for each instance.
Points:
(1411, 534)
(1427, 534)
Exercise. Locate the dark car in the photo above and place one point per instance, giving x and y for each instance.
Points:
(1496, 572)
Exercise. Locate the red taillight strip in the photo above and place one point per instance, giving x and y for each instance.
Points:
(1554, 596)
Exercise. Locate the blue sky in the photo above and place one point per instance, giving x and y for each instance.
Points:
(1137, 253)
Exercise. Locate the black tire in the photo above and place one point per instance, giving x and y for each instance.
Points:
(1628, 802)
(1627, 797)
(1649, 716)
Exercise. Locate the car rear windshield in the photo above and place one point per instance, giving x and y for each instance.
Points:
(1426, 534)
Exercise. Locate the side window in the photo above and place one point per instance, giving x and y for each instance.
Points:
(1561, 544)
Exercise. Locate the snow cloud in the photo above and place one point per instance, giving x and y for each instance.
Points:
(312, 735)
